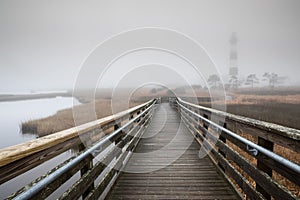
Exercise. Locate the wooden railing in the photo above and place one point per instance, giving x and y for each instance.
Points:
(220, 136)
(102, 159)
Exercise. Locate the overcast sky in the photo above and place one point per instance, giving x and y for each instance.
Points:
(44, 43)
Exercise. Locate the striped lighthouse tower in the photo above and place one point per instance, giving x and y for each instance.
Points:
(233, 65)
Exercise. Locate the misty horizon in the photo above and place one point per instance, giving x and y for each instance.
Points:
(41, 50)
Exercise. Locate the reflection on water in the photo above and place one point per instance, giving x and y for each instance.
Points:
(11, 116)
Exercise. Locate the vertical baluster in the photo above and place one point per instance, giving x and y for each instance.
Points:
(223, 139)
(88, 166)
(263, 167)
(205, 124)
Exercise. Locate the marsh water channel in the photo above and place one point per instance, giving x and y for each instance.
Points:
(12, 114)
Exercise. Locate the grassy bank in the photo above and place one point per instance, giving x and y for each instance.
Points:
(63, 119)
(22, 97)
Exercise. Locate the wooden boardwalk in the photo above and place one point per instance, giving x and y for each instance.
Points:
(165, 162)
(152, 174)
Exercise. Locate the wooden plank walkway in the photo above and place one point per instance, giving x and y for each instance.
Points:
(188, 177)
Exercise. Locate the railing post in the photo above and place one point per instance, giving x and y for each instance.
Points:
(138, 112)
(88, 166)
(173, 102)
(196, 118)
(205, 124)
(158, 100)
(263, 167)
(131, 117)
(190, 114)
(116, 127)
(223, 139)
(197, 125)
(176, 106)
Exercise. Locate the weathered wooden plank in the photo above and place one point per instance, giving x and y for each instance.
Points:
(182, 196)
(85, 166)
(172, 190)
(238, 178)
(187, 177)
(102, 185)
(269, 185)
(55, 184)
(88, 178)
(20, 166)
(268, 162)
(17, 152)
(229, 169)
(112, 172)
(281, 140)
(285, 136)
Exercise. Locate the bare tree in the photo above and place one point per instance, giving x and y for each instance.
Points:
(234, 82)
(251, 80)
(214, 81)
(273, 79)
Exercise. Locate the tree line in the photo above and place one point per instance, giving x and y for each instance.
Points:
(251, 80)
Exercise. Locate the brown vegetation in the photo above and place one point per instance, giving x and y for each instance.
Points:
(64, 119)
(280, 107)
(276, 107)
(90, 109)
(282, 151)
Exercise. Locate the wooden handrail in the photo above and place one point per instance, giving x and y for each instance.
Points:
(197, 118)
(16, 152)
(266, 126)
(13, 160)
(284, 136)
(125, 129)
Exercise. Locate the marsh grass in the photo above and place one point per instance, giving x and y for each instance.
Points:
(283, 109)
(282, 151)
(64, 119)
(280, 108)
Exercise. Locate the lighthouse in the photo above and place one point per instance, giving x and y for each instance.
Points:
(233, 65)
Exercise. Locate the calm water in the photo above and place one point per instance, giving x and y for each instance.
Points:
(12, 114)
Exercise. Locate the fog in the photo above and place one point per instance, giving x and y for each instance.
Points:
(45, 44)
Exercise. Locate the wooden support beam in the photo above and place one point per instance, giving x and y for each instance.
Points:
(263, 167)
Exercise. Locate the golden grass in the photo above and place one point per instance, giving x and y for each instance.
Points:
(292, 156)
(275, 108)
(63, 119)
(284, 152)
(261, 99)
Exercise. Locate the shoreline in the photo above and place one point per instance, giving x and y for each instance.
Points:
(22, 97)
